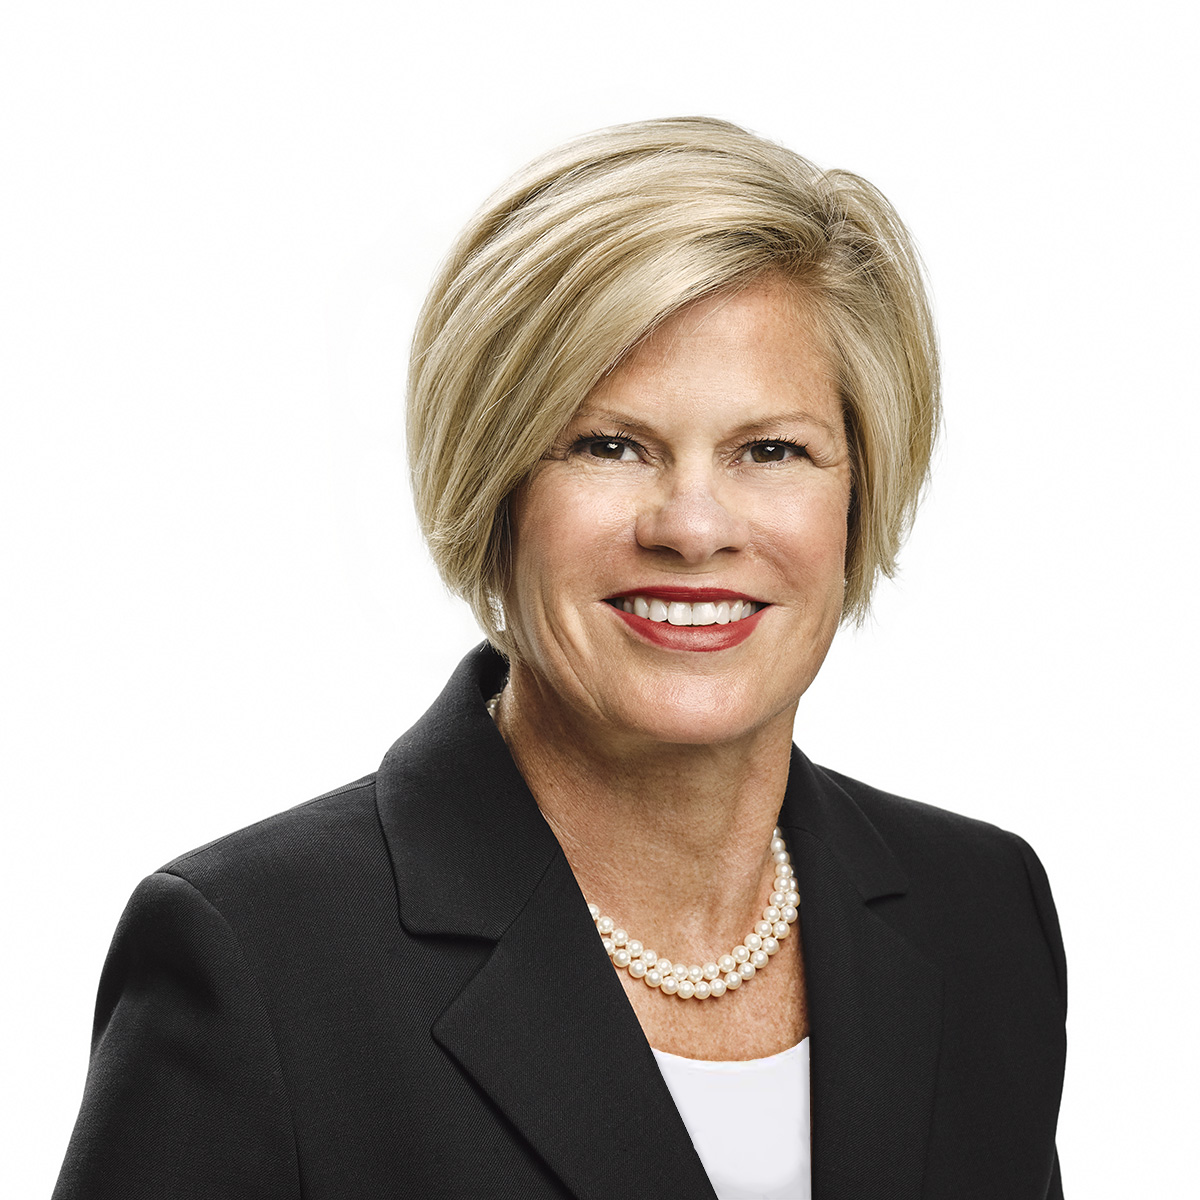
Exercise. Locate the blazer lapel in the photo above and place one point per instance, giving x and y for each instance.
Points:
(547, 1032)
(875, 1005)
(543, 1027)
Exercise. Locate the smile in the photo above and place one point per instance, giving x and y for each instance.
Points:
(688, 619)
(681, 612)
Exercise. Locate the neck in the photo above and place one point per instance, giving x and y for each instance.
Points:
(672, 840)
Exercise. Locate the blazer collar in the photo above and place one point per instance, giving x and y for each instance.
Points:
(456, 811)
(468, 842)
(544, 1027)
(815, 804)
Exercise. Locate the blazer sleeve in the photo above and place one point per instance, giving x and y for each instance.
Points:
(1047, 915)
(185, 1096)
(1039, 885)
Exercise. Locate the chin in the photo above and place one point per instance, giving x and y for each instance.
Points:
(698, 712)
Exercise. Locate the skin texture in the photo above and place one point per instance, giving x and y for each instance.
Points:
(714, 455)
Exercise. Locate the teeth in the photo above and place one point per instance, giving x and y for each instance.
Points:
(679, 613)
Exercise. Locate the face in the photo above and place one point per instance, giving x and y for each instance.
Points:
(678, 555)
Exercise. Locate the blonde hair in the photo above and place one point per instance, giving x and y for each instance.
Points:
(584, 252)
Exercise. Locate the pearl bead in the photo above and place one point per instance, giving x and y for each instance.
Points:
(777, 897)
(771, 945)
(670, 985)
(759, 959)
(726, 963)
(777, 832)
(711, 970)
(637, 968)
(594, 909)
(763, 928)
(789, 913)
(654, 977)
(717, 987)
(792, 898)
(781, 929)
(650, 957)
(777, 844)
(753, 942)
(784, 871)
(733, 981)
(687, 989)
(746, 970)
(620, 937)
(771, 913)
(695, 974)
(635, 948)
(605, 924)
(607, 943)
(621, 958)
(680, 971)
(782, 857)
(740, 954)
(703, 990)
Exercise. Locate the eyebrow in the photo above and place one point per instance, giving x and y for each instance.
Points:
(767, 425)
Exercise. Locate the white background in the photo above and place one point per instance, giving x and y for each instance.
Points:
(218, 220)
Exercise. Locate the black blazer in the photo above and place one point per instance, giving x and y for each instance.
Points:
(396, 990)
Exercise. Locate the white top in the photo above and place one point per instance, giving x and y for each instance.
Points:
(748, 1120)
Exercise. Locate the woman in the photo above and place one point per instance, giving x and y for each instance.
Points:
(671, 404)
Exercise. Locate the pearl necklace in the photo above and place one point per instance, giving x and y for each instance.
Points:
(731, 970)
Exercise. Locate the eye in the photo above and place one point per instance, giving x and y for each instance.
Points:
(613, 449)
(772, 452)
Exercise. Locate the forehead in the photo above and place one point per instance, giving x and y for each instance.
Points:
(755, 349)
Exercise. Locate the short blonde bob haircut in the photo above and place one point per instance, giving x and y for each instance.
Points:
(584, 252)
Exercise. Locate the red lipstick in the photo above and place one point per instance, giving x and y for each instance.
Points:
(689, 637)
(684, 594)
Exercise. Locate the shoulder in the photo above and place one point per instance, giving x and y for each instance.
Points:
(331, 821)
(282, 870)
(922, 835)
(965, 877)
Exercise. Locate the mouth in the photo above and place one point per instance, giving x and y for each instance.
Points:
(689, 618)
(674, 610)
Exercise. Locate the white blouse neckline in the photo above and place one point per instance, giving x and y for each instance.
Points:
(725, 1064)
(730, 1105)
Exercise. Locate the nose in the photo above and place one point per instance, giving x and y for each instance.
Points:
(690, 518)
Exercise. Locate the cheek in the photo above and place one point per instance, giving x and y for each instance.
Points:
(564, 536)
(807, 540)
